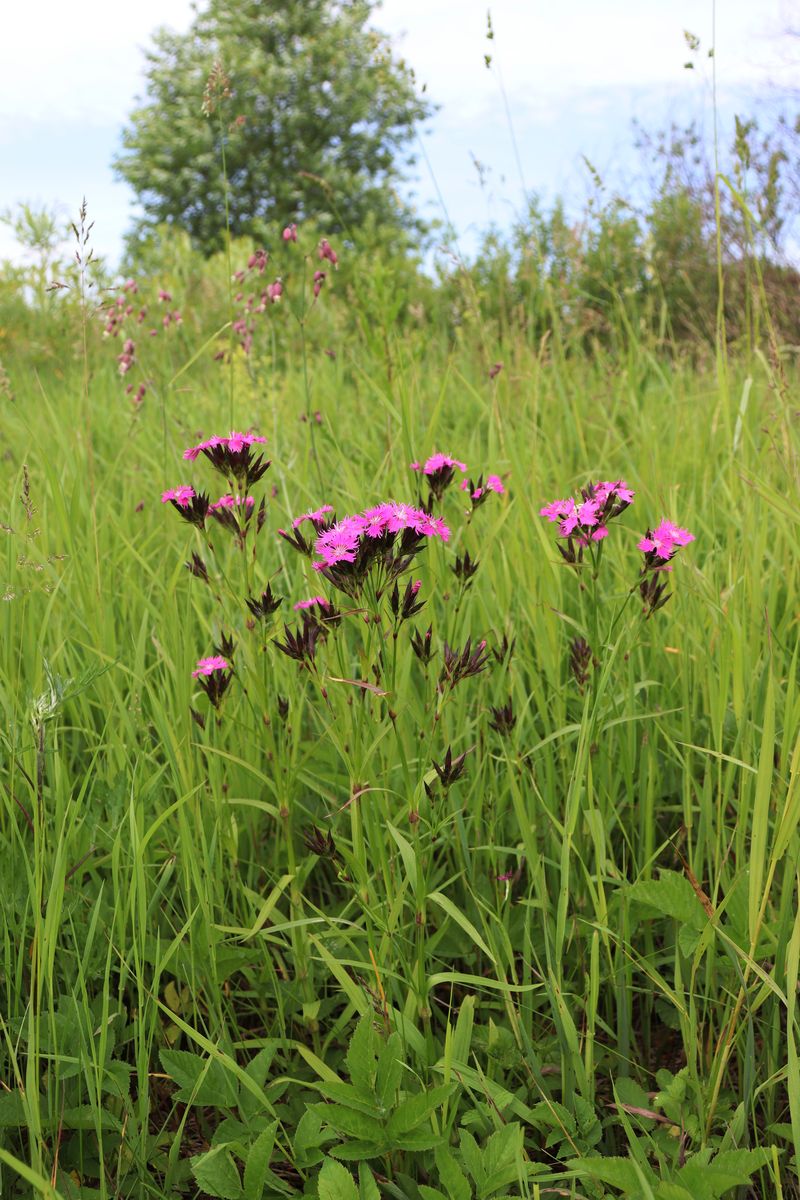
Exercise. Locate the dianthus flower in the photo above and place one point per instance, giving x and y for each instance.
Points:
(233, 456)
(235, 442)
(207, 666)
(214, 676)
(659, 546)
(182, 496)
(388, 534)
(586, 519)
(312, 602)
(663, 541)
(317, 517)
(479, 491)
(440, 471)
(229, 501)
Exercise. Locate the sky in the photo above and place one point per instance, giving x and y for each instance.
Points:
(567, 80)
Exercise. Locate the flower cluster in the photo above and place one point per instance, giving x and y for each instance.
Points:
(479, 491)
(585, 520)
(115, 317)
(389, 535)
(233, 456)
(266, 295)
(659, 546)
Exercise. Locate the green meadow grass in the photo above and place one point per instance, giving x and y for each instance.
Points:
(194, 1003)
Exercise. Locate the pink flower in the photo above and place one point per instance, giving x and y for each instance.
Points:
(319, 279)
(275, 291)
(312, 602)
(326, 251)
(182, 495)
(235, 442)
(163, 296)
(563, 511)
(415, 466)
(290, 233)
(207, 666)
(318, 515)
(342, 542)
(588, 513)
(495, 484)
(229, 501)
(440, 462)
(664, 540)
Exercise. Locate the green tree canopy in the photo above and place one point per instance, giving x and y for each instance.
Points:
(313, 111)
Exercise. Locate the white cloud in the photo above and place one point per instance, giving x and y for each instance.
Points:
(70, 63)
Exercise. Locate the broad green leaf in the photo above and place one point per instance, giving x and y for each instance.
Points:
(308, 1137)
(362, 1055)
(673, 896)
(618, 1172)
(217, 1174)
(470, 1152)
(351, 1122)
(258, 1160)
(367, 1187)
(201, 1080)
(390, 1070)
(335, 1182)
(416, 1109)
(450, 1174)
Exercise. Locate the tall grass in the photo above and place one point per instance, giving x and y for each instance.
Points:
(577, 966)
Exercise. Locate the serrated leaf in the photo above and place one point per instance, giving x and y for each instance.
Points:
(390, 1070)
(308, 1137)
(335, 1182)
(672, 1191)
(362, 1056)
(345, 1093)
(502, 1156)
(200, 1080)
(351, 1122)
(416, 1141)
(450, 1174)
(416, 1109)
(671, 894)
(258, 1160)
(217, 1174)
(470, 1152)
(357, 1151)
(711, 1180)
(367, 1187)
(618, 1172)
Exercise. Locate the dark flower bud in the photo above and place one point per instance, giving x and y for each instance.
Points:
(422, 645)
(465, 568)
(197, 567)
(462, 664)
(503, 719)
(264, 605)
(580, 659)
(319, 843)
(451, 769)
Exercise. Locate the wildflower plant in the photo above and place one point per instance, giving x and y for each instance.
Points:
(362, 670)
(584, 523)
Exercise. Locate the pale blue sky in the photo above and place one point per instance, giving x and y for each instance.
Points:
(575, 74)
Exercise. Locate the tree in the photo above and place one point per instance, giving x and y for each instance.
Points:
(303, 99)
